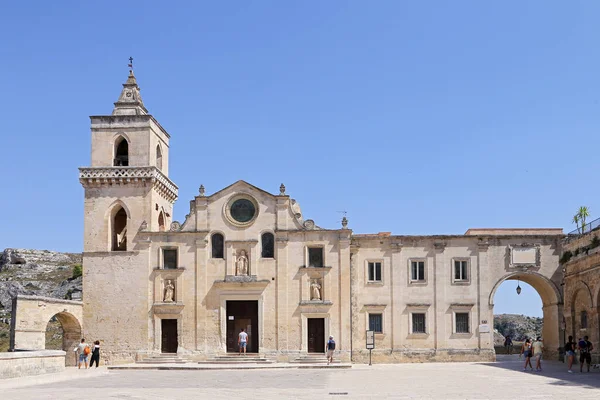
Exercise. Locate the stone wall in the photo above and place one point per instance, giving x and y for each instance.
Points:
(27, 363)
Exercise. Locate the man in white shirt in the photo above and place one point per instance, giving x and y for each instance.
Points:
(242, 341)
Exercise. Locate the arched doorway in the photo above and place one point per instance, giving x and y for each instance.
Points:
(63, 332)
(552, 307)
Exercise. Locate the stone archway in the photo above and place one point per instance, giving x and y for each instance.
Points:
(30, 316)
(552, 306)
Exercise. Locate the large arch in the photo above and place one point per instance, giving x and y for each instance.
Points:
(552, 306)
(30, 316)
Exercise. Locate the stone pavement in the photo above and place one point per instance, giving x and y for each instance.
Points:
(501, 380)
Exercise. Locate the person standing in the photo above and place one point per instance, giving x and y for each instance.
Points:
(526, 352)
(508, 344)
(242, 341)
(95, 354)
(330, 349)
(83, 349)
(537, 349)
(570, 352)
(585, 353)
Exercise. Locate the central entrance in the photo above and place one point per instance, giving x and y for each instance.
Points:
(242, 314)
(169, 340)
(316, 335)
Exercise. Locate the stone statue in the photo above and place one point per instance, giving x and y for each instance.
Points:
(315, 290)
(241, 265)
(169, 291)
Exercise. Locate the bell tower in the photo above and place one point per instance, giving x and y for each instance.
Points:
(127, 188)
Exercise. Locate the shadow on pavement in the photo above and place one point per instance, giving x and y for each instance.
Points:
(551, 369)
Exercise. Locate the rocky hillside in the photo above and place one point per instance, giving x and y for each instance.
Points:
(519, 327)
(37, 273)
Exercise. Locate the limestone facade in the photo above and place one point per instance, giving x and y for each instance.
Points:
(582, 288)
(248, 258)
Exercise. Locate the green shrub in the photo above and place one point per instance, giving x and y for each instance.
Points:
(77, 271)
(565, 257)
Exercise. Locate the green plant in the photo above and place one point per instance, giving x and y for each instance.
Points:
(583, 213)
(565, 257)
(595, 242)
(576, 222)
(77, 271)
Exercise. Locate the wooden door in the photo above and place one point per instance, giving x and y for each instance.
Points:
(169, 336)
(316, 335)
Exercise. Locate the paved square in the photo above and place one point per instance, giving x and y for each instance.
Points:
(501, 380)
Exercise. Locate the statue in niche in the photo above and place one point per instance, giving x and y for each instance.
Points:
(241, 264)
(315, 290)
(169, 291)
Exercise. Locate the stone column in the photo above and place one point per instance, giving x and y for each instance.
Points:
(283, 308)
(344, 309)
(202, 254)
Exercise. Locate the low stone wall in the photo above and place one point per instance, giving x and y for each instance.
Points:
(27, 363)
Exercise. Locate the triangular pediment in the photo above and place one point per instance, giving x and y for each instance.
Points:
(239, 186)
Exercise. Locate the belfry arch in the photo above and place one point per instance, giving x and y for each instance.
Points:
(552, 307)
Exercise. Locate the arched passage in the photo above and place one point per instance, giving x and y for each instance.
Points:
(552, 303)
(70, 331)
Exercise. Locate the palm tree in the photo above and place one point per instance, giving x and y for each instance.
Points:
(583, 213)
(576, 221)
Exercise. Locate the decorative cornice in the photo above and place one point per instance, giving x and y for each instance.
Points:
(108, 176)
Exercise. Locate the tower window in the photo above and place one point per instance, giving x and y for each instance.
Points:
(121, 153)
(119, 230)
(218, 242)
(158, 157)
(268, 245)
(161, 222)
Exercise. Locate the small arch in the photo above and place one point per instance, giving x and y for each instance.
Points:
(63, 332)
(547, 289)
(581, 288)
(161, 222)
(217, 241)
(119, 229)
(267, 241)
(159, 161)
(121, 158)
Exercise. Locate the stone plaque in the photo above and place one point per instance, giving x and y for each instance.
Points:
(484, 328)
(524, 255)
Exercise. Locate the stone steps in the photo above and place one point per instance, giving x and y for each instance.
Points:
(314, 359)
(164, 358)
(238, 359)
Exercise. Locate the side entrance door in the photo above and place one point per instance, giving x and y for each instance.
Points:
(316, 335)
(169, 335)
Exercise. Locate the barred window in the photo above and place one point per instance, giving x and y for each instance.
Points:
(374, 272)
(376, 323)
(462, 322)
(418, 323)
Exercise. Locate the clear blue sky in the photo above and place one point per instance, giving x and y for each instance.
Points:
(414, 117)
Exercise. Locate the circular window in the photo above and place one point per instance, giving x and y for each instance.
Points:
(243, 210)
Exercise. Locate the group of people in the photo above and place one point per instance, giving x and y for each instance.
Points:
(83, 350)
(532, 349)
(585, 348)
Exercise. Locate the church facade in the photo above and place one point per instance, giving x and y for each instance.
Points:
(246, 258)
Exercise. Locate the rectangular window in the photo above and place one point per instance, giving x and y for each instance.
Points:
(462, 322)
(315, 257)
(169, 258)
(417, 271)
(460, 270)
(418, 323)
(584, 320)
(376, 323)
(374, 272)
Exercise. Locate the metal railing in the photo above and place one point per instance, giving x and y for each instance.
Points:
(587, 228)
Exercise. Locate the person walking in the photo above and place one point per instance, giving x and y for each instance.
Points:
(537, 349)
(585, 353)
(570, 352)
(526, 352)
(508, 344)
(83, 349)
(242, 341)
(330, 349)
(95, 354)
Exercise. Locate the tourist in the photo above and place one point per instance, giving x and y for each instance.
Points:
(585, 353)
(242, 341)
(570, 352)
(95, 354)
(508, 344)
(83, 349)
(330, 349)
(537, 349)
(526, 352)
